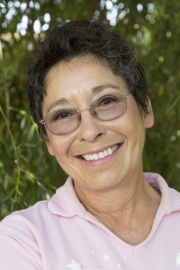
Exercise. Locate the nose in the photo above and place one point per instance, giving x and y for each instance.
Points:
(90, 128)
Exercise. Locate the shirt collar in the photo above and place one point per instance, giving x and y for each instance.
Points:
(66, 203)
(170, 198)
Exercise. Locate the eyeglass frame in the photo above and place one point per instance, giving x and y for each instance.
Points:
(92, 112)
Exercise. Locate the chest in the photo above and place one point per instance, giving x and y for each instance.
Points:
(85, 246)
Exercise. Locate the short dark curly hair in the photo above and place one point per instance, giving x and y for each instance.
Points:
(78, 38)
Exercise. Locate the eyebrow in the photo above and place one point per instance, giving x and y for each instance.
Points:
(56, 103)
(100, 88)
(96, 89)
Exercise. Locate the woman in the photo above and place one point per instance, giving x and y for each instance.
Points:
(89, 96)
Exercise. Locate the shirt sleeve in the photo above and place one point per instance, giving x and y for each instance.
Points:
(18, 252)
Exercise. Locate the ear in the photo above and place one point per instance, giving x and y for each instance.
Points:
(149, 118)
(50, 148)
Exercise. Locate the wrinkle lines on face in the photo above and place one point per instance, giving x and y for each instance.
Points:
(75, 85)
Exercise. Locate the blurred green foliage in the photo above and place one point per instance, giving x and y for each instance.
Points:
(27, 172)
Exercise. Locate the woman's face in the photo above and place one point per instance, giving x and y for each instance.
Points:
(72, 85)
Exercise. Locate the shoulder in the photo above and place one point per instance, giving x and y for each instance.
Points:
(35, 235)
(25, 221)
(44, 215)
(19, 234)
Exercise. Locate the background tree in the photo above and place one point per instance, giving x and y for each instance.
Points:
(27, 172)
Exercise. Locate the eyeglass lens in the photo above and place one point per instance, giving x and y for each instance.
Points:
(106, 108)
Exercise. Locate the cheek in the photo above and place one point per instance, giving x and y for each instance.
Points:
(125, 126)
(131, 128)
(50, 148)
(59, 146)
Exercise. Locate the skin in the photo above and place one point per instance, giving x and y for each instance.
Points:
(113, 189)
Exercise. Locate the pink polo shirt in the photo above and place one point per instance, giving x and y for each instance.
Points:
(60, 234)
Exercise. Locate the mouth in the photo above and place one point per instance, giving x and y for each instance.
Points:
(102, 154)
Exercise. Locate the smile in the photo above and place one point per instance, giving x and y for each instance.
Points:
(109, 151)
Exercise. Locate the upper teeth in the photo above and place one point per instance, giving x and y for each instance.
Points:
(102, 154)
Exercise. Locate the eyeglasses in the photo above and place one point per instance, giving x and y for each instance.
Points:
(106, 108)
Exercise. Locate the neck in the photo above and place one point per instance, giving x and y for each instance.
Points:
(126, 195)
(125, 207)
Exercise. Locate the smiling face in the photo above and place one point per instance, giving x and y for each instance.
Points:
(98, 155)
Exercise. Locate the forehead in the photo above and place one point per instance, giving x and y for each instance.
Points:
(78, 78)
(75, 69)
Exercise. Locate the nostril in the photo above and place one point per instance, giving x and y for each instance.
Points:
(90, 129)
(99, 134)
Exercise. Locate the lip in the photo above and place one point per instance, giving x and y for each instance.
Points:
(100, 149)
(101, 160)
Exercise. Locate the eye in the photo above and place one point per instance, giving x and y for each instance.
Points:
(108, 100)
(61, 115)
